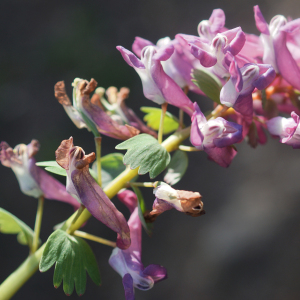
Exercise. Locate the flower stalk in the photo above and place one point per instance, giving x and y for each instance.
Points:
(94, 238)
(38, 223)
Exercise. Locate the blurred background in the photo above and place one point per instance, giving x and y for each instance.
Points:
(247, 246)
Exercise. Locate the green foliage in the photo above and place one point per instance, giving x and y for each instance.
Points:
(209, 84)
(177, 167)
(53, 167)
(142, 209)
(12, 225)
(111, 166)
(145, 152)
(72, 257)
(152, 118)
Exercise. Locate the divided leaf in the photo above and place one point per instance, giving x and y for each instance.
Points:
(145, 152)
(10, 224)
(72, 257)
(177, 167)
(152, 118)
(142, 209)
(208, 83)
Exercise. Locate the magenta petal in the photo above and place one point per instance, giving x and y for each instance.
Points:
(51, 187)
(236, 75)
(291, 26)
(237, 43)
(222, 156)
(138, 45)
(128, 198)
(217, 20)
(128, 287)
(164, 53)
(260, 21)
(244, 105)
(206, 59)
(130, 58)
(157, 272)
(100, 206)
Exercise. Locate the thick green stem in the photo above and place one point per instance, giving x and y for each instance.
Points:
(98, 158)
(38, 223)
(15, 281)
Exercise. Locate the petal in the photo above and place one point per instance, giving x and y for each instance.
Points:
(62, 153)
(292, 26)
(206, 59)
(264, 80)
(217, 20)
(157, 272)
(244, 105)
(222, 156)
(130, 58)
(100, 206)
(138, 45)
(164, 53)
(236, 75)
(6, 154)
(128, 198)
(128, 287)
(260, 21)
(237, 43)
(229, 94)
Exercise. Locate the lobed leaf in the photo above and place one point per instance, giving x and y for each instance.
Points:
(177, 167)
(72, 257)
(142, 209)
(10, 224)
(145, 152)
(152, 118)
(209, 84)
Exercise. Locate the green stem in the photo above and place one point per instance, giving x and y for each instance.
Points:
(77, 215)
(94, 238)
(142, 184)
(161, 124)
(15, 281)
(98, 158)
(187, 148)
(38, 223)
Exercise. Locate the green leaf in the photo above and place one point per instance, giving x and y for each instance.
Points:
(53, 167)
(12, 225)
(142, 209)
(152, 118)
(177, 167)
(72, 257)
(208, 83)
(145, 152)
(111, 166)
(50, 163)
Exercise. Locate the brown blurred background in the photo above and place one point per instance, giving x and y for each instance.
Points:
(247, 246)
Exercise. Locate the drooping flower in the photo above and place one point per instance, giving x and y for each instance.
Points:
(157, 85)
(85, 189)
(33, 180)
(287, 129)
(128, 262)
(184, 201)
(215, 137)
(88, 112)
(179, 66)
(274, 37)
(237, 91)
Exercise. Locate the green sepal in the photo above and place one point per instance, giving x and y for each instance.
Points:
(145, 152)
(142, 209)
(153, 116)
(72, 257)
(177, 167)
(208, 83)
(10, 224)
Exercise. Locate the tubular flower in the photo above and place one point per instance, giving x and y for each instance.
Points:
(128, 262)
(215, 137)
(237, 91)
(213, 54)
(184, 201)
(84, 188)
(287, 129)
(276, 52)
(179, 66)
(89, 113)
(157, 85)
(33, 180)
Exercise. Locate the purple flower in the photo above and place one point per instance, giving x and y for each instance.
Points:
(287, 129)
(215, 137)
(237, 92)
(33, 180)
(276, 52)
(89, 113)
(85, 189)
(128, 262)
(157, 85)
(184, 201)
(179, 66)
